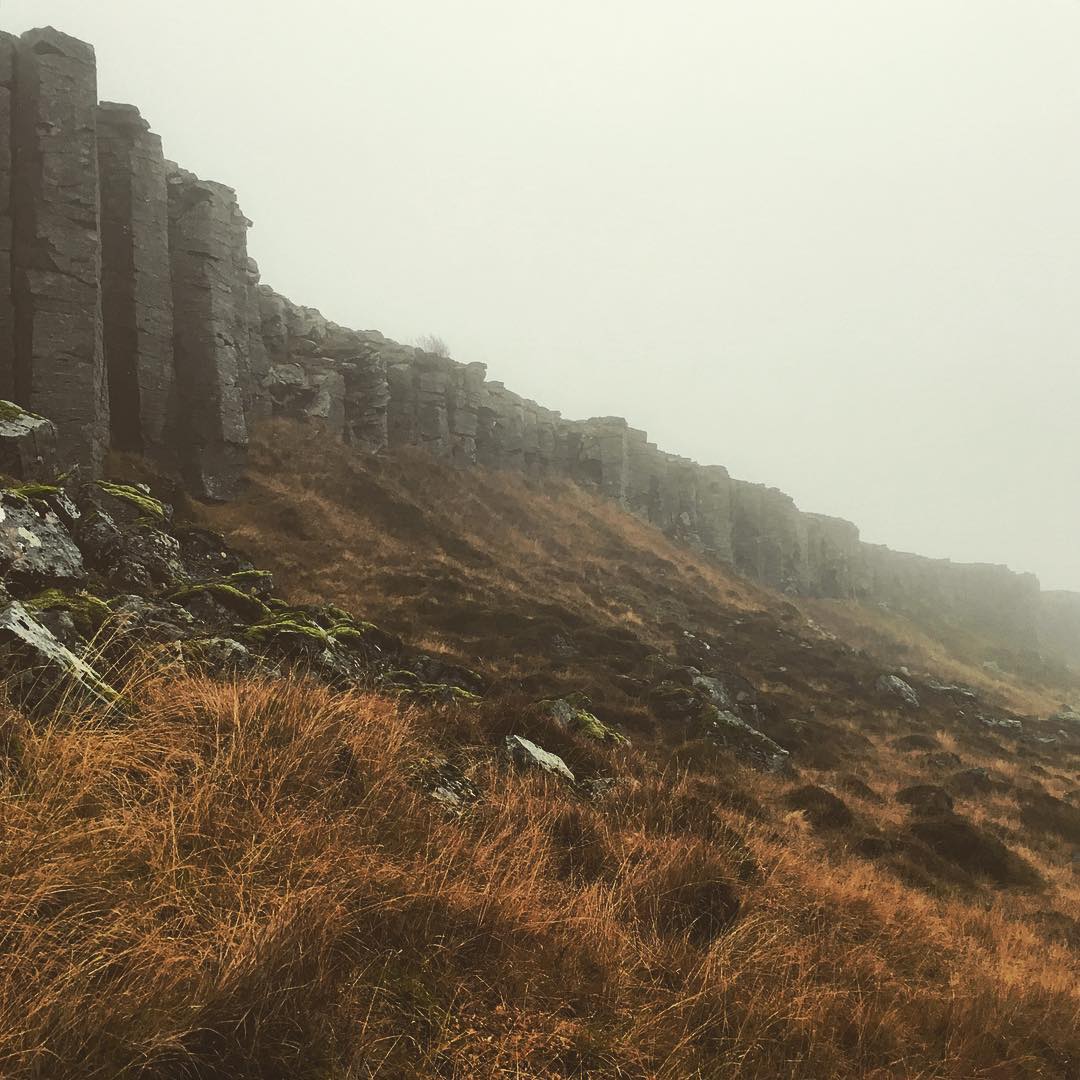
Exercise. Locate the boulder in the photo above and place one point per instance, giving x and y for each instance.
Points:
(27, 445)
(39, 666)
(527, 755)
(36, 551)
(574, 713)
(894, 686)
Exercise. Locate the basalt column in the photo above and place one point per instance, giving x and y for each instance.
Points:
(7, 308)
(136, 280)
(208, 427)
(59, 359)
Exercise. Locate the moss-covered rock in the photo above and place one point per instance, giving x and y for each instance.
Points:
(88, 612)
(143, 501)
(573, 712)
(228, 595)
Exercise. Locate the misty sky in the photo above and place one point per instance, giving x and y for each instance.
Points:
(831, 244)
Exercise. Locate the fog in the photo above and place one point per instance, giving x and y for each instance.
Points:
(833, 245)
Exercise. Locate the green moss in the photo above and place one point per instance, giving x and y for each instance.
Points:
(146, 504)
(289, 625)
(440, 694)
(587, 724)
(250, 607)
(35, 491)
(10, 411)
(249, 577)
(88, 612)
(574, 711)
(352, 635)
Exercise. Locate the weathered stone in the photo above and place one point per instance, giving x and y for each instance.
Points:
(35, 660)
(311, 391)
(209, 427)
(528, 755)
(59, 359)
(35, 549)
(745, 741)
(8, 44)
(27, 445)
(137, 300)
(896, 687)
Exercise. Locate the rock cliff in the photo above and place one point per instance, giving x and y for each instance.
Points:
(132, 316)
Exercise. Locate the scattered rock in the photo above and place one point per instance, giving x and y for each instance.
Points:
(36, 551)
(528, 755)
(27, 444)
(896, 687)
(41, 666)
(745, 741)
(572, 712)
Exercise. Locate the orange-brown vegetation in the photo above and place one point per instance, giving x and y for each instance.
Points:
(247, 879)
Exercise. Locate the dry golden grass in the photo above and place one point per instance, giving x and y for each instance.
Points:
(245, 881)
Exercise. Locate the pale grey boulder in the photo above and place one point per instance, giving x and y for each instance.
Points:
(894, 686)
(27, 445)
(527, 755)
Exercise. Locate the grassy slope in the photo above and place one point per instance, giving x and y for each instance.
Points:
(248, 882)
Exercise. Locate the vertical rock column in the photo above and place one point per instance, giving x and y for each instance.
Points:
(136, 280)
(208, 426)
(7, 307)
(59, 358)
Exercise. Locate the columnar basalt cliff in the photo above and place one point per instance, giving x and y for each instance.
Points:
(132, 315)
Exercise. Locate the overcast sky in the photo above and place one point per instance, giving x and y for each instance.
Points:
(833, 245)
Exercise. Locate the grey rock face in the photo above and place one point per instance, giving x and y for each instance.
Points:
(747, 742)
(209, 428)
(528, 755)
(136, 278)
(59, 360)
(27, 444)
(896, 687)
(312, 391)
(8, 44)
(36, 550)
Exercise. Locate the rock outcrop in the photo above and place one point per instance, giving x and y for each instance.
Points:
(137, 298)
(59, 368)
(133, 316)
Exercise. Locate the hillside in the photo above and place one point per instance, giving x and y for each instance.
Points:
(283, 841)
(361, 718)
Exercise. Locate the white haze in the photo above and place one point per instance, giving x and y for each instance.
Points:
(831, 244)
